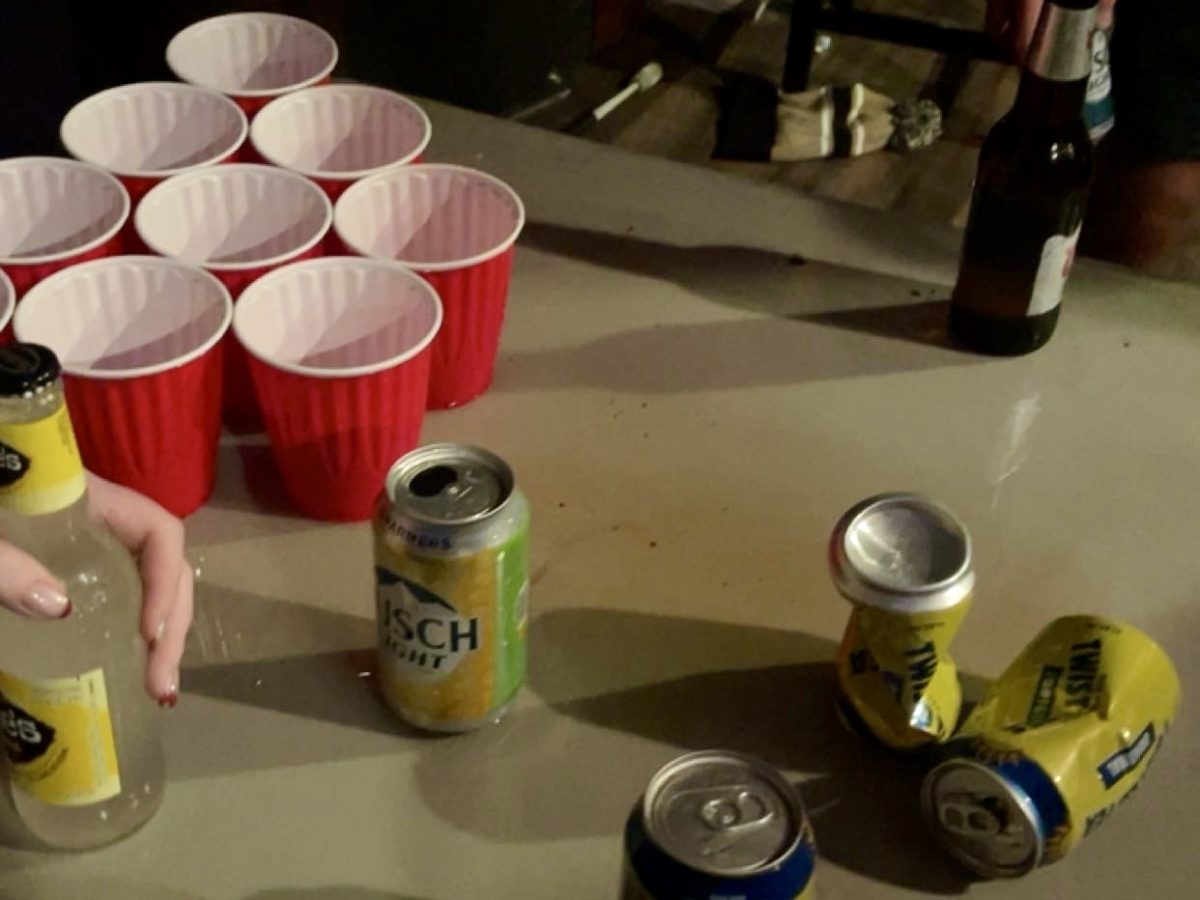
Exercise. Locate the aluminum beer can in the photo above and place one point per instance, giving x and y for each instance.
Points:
(714, 825)
(904, 563)
(452, 587)
(1057, 744)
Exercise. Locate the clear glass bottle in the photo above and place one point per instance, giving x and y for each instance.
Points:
(84, 759)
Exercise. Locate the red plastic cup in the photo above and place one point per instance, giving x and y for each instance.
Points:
(253, 57)
(239, 222)
(55, 213)
(144, 133)
(457, 227)
(340, 351)
(8, 302)
(339, 133)
(139, 338)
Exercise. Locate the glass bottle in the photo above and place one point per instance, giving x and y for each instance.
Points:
(84, 759)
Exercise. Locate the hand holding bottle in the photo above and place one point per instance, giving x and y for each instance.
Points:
(155, 537)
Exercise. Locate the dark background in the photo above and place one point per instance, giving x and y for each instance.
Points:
(489, 55)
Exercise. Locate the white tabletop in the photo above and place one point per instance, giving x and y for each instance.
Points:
(698, 375)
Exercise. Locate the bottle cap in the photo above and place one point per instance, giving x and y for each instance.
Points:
(25, 368)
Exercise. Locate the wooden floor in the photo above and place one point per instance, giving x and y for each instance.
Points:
(678, 118)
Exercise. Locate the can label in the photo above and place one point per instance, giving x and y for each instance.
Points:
(1058, 255)
(58, 738)
(451, 628)
(40, 467)
(896, 673)
(1074, 723)
(1098, 110)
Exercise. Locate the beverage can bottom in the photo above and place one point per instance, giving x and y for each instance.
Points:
(450, 726)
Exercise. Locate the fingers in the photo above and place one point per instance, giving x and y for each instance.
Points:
(162, 668)
(156, 537)
(27, 589)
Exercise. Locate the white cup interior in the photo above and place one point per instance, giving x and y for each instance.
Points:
(125, 316)
(233, 216)
(337, 317)
(430, 217)
(252, 53)
(55, 207)
(8, 300)
(340, 130)
(153, 128)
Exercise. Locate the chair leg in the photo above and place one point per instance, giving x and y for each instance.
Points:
(802, 36)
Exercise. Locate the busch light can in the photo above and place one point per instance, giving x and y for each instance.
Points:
(452, 587)
(714, 825)
(1059, 741)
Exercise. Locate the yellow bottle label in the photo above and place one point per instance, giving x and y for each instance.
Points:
(40, 467)
(58, 738)
(896, 672)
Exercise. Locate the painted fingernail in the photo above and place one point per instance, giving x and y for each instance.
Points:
(169, 700)
(44, 601)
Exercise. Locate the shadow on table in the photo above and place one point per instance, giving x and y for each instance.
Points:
(328, 893)
(779, 347)
(248, 482)
(683, 685)
(312, 667)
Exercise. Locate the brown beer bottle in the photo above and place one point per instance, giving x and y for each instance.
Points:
(1031, 188)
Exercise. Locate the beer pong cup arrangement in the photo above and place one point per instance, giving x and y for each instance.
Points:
(139, 340)
(55, 213)
(8, 302)
(239, 222)
(457, 227)
(338, 133)
(252, 57)
(340, 356)
(144, 133)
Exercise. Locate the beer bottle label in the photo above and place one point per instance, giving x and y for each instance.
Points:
(1058, 254)
(58, 738)
(40, 468)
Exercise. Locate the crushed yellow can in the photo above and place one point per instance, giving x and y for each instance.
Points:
(1057, 744)
(904, 563)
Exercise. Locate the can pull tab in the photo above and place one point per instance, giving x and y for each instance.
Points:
(732, 813)
(973, 816)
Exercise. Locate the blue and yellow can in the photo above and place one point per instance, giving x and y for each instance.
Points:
(1059, 741)
(714, 825)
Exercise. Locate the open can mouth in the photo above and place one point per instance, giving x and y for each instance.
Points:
(904, 552)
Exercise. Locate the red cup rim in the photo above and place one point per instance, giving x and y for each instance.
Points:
(30, 301)
(180, 39)
(82, 108)
(281, 106)
(103, 238)
(226, 171)
(420, 265)
(252, 293)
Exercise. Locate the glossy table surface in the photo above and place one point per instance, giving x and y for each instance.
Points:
(698, 375)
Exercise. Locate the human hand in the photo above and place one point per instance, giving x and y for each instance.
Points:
(1012, 22)
(155, 537)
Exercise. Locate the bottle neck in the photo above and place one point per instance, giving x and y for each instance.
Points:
(1054, 82)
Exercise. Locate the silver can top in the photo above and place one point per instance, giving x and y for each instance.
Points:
(723, 813)
(901, 552)
(449, 484)
(983, 819)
